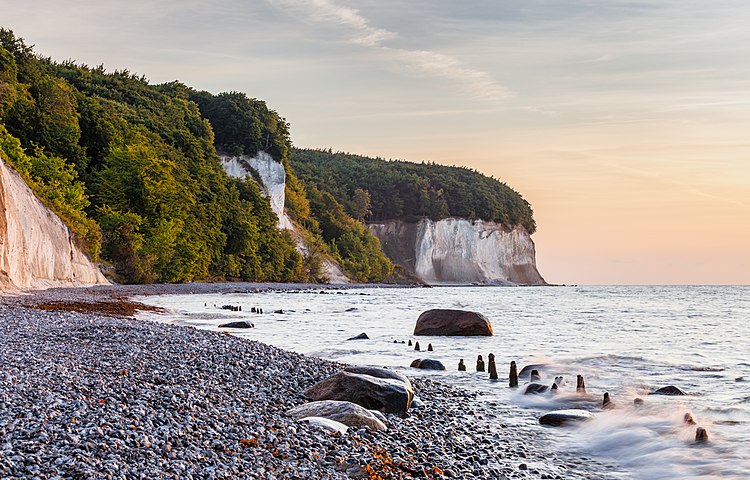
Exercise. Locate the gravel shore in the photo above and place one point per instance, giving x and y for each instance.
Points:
(90, 395)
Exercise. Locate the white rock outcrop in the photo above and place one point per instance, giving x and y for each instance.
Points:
(459, 251)
(272, 175)
(36, 247)
(273, 178)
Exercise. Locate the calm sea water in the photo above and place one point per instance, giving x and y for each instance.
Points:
(625, 340)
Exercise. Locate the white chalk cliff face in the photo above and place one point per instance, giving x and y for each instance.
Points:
(36, 247)
(273, 177)
(458, 251)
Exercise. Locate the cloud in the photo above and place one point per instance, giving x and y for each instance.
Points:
(476, 83)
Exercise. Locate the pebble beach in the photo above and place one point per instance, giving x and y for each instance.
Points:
(101, 394)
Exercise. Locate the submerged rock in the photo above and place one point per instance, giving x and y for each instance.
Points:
(452, 323)
(361, 336)
(348, 413)
(427, 364)
(240, 324)
(535, 389)
(562, 417)
(669, 390)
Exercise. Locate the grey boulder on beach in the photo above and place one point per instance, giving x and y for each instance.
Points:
(370, 387)
(454, 323)
(348, 413)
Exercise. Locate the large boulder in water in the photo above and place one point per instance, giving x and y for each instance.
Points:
(386, 394)
(454, 323)
(562, 417)
(427, 364)
(348, 413)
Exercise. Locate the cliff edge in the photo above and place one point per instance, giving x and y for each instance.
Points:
(459, 251)
(36, 247)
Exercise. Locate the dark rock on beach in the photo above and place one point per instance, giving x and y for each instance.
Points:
(373, 393)
(427, 364)
(452, 323)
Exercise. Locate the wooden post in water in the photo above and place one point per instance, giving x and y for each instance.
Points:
(461, 365)
(410, 342)
(480, 364)
(513, 376)
(580, 384)
(491, 366)
(701, 435)
(535, 377)
(416, 346)
(429, 347)
(607, 401)
(637, 401)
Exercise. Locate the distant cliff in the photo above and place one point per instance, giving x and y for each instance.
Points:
(36, 248)
(458, 251)
(442, 224)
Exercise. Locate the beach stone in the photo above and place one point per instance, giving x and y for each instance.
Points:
(427, 364)
(348, 413)
(240, 324)
(326, 424)
(443, 322)
(669, 390)
(373, 393)
(562, 417)
(535, 389)
(361, 336)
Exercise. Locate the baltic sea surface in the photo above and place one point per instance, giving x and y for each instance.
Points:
(627, 341)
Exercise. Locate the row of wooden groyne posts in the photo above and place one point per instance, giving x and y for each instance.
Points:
(701, 434)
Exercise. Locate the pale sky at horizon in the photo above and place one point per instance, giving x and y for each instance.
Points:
(623, 123)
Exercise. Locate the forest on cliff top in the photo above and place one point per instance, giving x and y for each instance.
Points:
(134, 171)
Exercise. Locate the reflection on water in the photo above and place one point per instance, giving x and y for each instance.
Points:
(627, 341)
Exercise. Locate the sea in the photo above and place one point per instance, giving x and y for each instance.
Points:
(625, 340)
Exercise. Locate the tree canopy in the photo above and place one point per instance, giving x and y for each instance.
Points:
(405, 190)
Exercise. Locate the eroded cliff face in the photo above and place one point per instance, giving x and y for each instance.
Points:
(458, 251)
(36, 248)
(273, 177)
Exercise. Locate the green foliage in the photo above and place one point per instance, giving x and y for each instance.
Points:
(350, 242)
(410, 191)
(110, 150)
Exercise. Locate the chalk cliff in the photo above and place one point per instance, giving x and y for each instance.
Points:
(458, 251)
(273, 179)
(36, 247)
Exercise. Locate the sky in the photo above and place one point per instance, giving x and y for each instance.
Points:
(626, 124)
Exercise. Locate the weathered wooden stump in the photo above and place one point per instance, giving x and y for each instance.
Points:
(429, 347)
(480, 364)
(607, 401)
(701, 435)
(491, 366)
(513, 376)
(461, 366)
(416, 346)
(535, 377)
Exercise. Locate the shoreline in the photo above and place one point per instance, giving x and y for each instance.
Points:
(98, 395)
